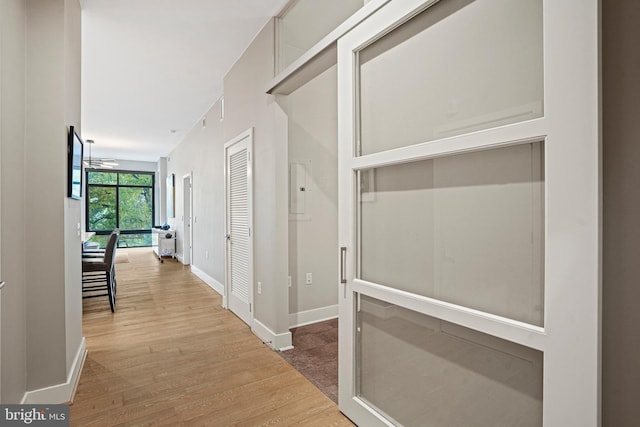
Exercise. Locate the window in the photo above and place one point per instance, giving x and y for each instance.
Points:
(124, 200)
(305, 22)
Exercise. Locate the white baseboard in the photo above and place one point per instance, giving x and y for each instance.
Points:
(316, 315)
(273, 340)
(215, 285)
(60, 393)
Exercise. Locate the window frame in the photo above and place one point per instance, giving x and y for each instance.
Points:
(117, 187)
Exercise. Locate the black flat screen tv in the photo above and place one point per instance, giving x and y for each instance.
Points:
(75, 147)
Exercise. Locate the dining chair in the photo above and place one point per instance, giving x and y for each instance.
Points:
(98, 273)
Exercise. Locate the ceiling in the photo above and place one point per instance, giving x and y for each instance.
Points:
(152, 68)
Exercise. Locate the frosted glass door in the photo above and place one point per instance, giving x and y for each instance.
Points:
(459, 67)
(420, 370)
(468, 215)
(467, 229)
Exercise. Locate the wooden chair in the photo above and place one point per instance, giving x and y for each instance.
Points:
(99, 274)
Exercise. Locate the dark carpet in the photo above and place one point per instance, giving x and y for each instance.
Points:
(315, 355)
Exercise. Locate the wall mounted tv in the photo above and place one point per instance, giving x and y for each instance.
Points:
(74, 149)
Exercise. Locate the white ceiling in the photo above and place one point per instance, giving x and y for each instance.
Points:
(152, 68)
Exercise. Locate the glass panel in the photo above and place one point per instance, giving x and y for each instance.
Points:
(136, 208)
(306, 22)
(107, 178)
(125, 240)
(100, 239)
(479, 66)
(134, 240)
(421, 371)
(142, 179)
(102, 208)
(466, 229)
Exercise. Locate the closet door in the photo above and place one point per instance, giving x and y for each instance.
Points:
(239, 220)
(469, 214)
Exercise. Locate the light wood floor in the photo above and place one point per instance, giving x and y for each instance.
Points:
(172, 356)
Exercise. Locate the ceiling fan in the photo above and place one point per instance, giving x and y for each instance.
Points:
(98, 163)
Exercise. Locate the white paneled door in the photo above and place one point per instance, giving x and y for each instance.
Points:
(239, 201)
(469, 215)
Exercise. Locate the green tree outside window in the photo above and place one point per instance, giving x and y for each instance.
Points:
(123, 200)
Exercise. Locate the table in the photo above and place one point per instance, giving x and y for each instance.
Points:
(85, 236)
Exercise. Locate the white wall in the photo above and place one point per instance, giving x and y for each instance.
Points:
(312, 116)
(201, 152)
(13, 16)
(42, 304)
(71, 31)
(134, 165)
(246, 106)
(313, 239)
(45, 136)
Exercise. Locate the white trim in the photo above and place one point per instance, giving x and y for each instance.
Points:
(213, 283)
(275, 341)
(316, 315)
(503, 136)
(507, 329)
(60, 393)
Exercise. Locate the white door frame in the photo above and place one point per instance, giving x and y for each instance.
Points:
(570, 338)
(187, 218)
(227, 303)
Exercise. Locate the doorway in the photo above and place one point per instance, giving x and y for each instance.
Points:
(187, 232)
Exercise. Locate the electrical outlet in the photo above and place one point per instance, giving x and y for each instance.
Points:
(206, 254)
(289, 281)
(309, 279)
(259, 288)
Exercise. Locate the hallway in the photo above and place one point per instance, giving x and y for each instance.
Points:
(171, 355)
